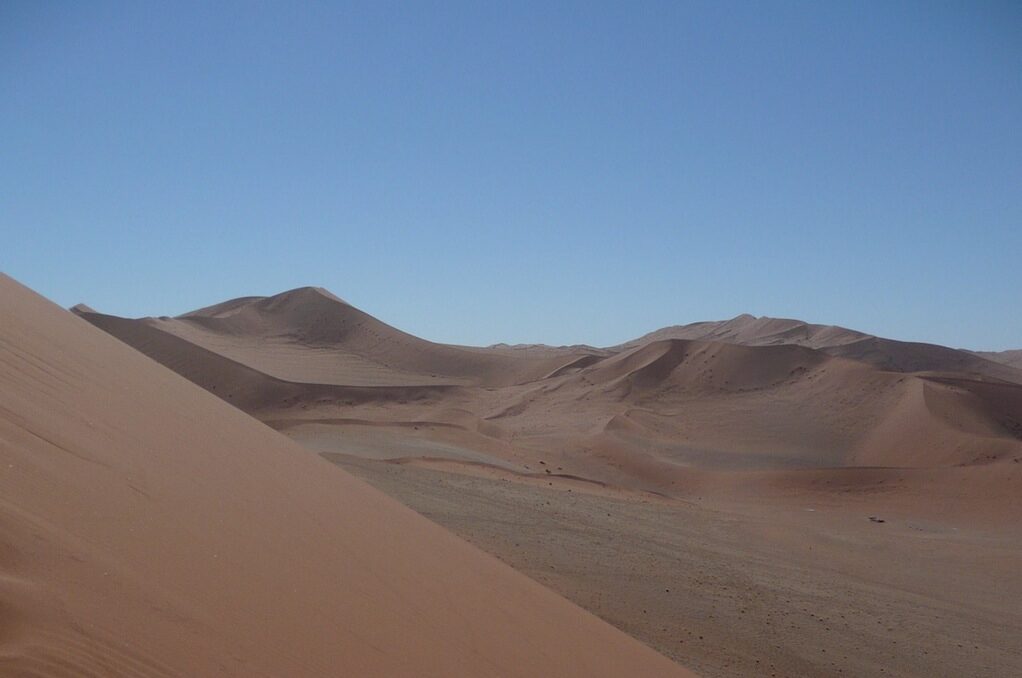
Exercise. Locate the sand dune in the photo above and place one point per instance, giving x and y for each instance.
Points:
(1011, 358)
(249, 388)
(150, 529)
(752, 331)
(753, 393)
(310, 335)
(887, 354)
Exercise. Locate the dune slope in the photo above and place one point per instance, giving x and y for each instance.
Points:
(149, 528)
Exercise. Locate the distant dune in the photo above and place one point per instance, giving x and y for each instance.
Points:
(1011, 358)
(887, 354)
(309, 335)
(149, 529)
(749, 393)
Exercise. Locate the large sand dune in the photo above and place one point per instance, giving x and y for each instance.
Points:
(310, 335)
(148, 528)
(753, 393)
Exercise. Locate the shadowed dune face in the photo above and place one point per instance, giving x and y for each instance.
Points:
(148, 528)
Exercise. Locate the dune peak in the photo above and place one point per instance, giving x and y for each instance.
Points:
(311, 290)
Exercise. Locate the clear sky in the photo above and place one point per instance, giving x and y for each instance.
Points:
(525, 171)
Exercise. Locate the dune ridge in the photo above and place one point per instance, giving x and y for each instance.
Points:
(887, 354)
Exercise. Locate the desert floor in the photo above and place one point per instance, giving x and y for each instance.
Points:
(743, 587)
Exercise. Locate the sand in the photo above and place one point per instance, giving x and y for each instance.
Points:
(759, 447)
(149, 528)
(804, 587)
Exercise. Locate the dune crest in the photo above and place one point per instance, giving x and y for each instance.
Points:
(887, 354)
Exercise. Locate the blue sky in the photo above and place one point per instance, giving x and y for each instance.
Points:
(550, 172)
